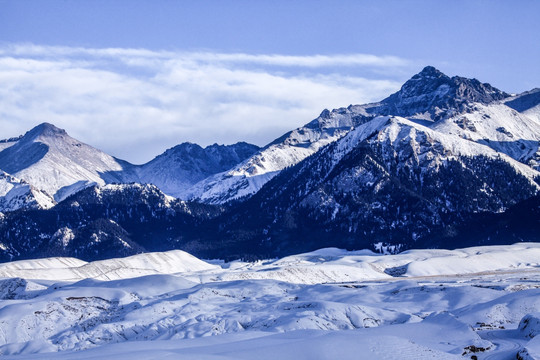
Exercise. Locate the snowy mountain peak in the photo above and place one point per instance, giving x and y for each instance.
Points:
(53, 162)
(430, 80)
(325, 114)
(45, 130)
(427, 98)
(432, 95)
(184, 165)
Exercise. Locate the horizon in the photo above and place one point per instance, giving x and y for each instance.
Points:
(135, 78)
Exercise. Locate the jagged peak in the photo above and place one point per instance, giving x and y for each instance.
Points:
(325, 114)
(432, 92)
(429, 71)
(193, 148)
(432, 79)
(188, 145)
(237, 144)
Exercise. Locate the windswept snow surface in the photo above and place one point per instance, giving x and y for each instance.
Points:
(326, 304)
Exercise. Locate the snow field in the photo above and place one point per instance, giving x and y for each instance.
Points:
(324, 304)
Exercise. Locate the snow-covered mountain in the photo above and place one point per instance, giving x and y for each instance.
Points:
(49, 159)
(390, 180)
(182, 166)
(52, 161)
(429, 98)
(17, 194)
(250, 175)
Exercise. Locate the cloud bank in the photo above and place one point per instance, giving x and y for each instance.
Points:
(135, 103)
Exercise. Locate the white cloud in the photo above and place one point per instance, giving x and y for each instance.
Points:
(134, 103)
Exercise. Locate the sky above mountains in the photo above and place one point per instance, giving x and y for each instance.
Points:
(152, 74)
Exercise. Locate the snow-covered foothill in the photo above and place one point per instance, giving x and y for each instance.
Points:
(70, 269)
(203, 311)
(330, 265)
(356, 304)
(475, 260)
(337, 265)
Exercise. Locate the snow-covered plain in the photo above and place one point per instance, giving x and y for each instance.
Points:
(327, 304)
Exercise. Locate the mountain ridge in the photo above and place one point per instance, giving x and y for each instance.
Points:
(429, 97)
(53, 162)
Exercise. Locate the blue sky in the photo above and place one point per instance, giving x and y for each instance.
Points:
(135, 77)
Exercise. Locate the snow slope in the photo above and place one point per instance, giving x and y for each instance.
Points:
(499, 127)
(398, 130)
(403, 130)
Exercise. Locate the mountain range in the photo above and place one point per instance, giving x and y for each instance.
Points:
(59, 165)
(439, 160)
